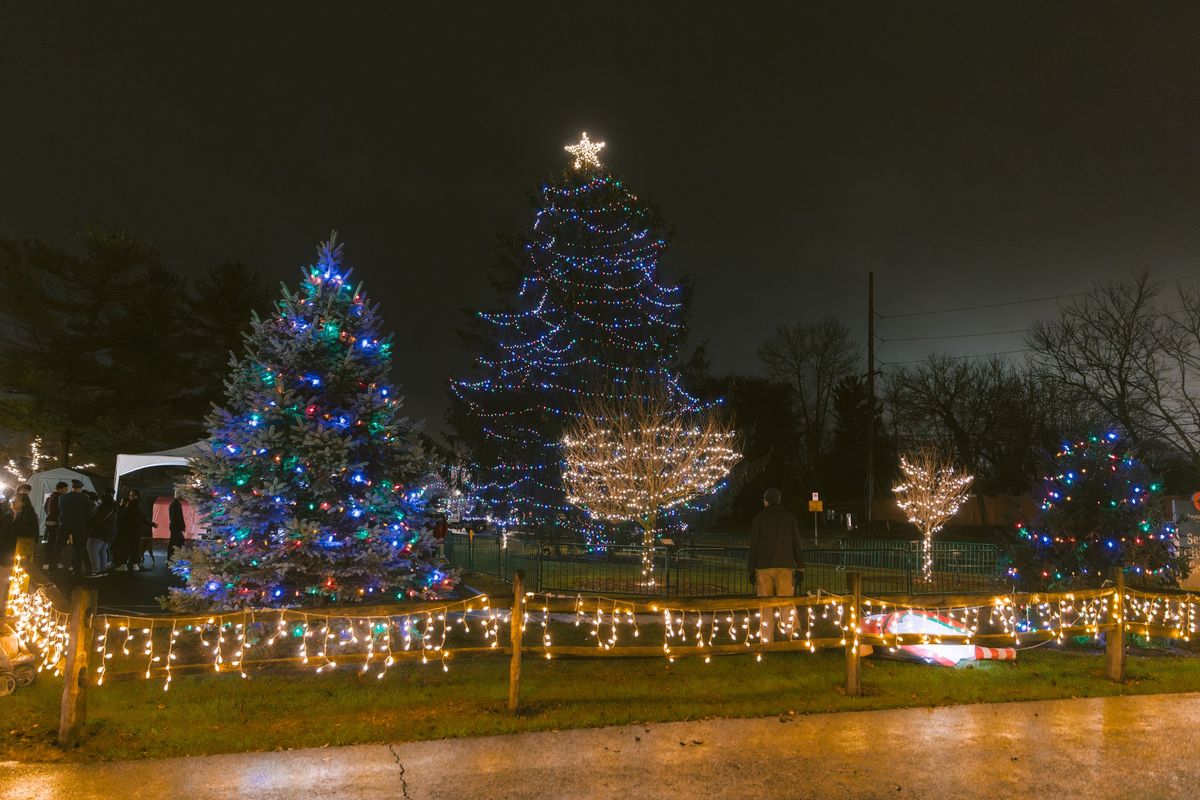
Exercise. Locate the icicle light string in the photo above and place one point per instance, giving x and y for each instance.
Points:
(39, 627)
(150, 647)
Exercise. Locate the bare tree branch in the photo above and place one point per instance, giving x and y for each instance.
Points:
(630, 459)
(811, 359)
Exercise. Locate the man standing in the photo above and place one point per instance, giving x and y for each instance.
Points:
(775, 556)
(74, 514)
(176, 525)
(54, 542)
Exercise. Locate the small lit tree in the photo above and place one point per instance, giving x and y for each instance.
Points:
(931, 493)
(630, 457)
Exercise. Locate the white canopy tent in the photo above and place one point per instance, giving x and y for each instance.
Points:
(132, 462)
(42, 485)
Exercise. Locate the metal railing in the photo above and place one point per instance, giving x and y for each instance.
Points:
(699, 571)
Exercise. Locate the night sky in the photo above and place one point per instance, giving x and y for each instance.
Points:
(968, 155)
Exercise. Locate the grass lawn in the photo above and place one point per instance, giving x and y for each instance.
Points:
(215, 714)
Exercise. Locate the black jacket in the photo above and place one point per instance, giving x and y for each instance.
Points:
(74, 511)
(24, 524)
(51, 508)
(775, 540)
(131, 521)
(103, 524)
(175, 517)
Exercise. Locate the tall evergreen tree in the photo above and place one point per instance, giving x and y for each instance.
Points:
(587, 317)
(106, 350)
(306, 480)
(57, 316)
(218, 304)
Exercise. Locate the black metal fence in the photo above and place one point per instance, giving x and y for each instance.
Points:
(886, 567)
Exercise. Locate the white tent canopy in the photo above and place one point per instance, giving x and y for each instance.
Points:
(42, 484)
(132, 462)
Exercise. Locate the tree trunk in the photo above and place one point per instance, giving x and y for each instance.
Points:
(983, 517)
(648, 523)
(64, 452)
(927, 558)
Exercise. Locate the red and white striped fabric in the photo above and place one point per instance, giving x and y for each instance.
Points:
(918, 623)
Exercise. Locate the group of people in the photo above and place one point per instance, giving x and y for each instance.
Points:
(103, 535)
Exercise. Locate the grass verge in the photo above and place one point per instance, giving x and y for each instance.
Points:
(217, 714)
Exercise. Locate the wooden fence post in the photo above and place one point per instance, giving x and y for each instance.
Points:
(517, 628)
(1114, 642)
(854, 584)
(24, 554)
(74, 698)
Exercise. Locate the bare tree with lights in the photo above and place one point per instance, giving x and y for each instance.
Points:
(932, 492)
(630, 457)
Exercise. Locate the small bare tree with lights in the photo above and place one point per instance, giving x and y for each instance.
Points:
(932, 491)
(629, 458)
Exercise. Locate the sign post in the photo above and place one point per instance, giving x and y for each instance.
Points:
(816, 507)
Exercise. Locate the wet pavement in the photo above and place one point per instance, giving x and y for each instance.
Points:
(125, 592)
(1102, 748)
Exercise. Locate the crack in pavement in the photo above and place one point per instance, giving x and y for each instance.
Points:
(403, 781)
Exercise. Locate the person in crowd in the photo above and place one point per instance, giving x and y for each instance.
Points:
(132, 524)
(775, 558)
(24, 523)
(74, 512)
(54, 542)
(24, 488)
(176, 525)
(101, 529)
(439, 535)
(8, 540)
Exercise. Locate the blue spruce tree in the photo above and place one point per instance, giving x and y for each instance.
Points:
(582, 312)
(305, 484)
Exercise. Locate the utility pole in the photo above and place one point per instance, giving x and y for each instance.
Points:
(870, 392)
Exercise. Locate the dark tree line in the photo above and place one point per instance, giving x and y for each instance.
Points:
(108, 349)
(1123, 356)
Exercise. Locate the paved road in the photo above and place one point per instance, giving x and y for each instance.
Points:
(1100, 748)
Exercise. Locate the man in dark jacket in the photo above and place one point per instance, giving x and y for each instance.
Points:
(54, 541)
(176, 525)
(74, 514)
(775, 556)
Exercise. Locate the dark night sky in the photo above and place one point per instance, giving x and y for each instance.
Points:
(967, 154)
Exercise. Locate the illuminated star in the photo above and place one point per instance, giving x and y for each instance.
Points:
(586, 152)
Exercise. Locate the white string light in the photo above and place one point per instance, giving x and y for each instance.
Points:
(932, 492)
(631, 458)
(587, 153)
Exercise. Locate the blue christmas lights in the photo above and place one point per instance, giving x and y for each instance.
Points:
(590, 317)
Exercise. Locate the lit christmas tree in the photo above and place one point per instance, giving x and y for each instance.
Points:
(1100, 508)
(304, 486)
(932, 492)
(590, 319)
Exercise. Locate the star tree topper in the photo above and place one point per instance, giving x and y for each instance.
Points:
(586, 152)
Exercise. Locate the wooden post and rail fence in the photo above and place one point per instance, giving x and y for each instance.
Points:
(78, 674)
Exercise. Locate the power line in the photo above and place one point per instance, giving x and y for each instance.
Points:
(955, 335)
(982, 305)
(959, 358)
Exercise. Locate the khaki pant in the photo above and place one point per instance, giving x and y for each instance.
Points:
(774, 582)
